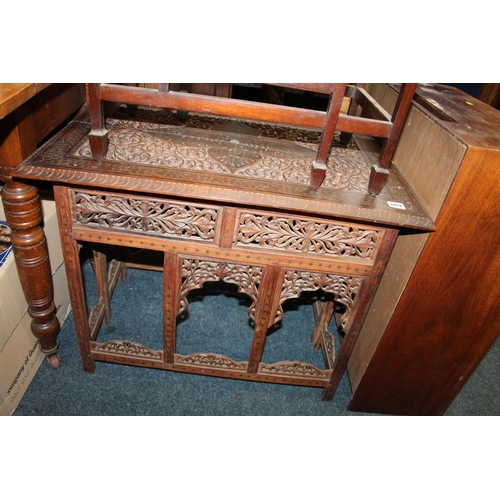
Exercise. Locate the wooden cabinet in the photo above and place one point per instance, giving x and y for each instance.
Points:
(437, 310)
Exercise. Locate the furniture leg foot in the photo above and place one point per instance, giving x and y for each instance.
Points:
(88, 364)
(98, 140)
(54, 360)
(327, 394)
(378, 179)
(317, 174)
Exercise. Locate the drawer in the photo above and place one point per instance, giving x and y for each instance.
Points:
(146, 215)
(324, 238)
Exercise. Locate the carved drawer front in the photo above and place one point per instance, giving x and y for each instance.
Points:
(147, 215)
(304, 235)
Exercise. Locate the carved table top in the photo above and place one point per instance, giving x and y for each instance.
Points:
(227, 161)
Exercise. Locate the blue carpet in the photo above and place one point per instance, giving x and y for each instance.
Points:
(216, 321)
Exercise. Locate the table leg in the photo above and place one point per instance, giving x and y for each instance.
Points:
(24, 215)
(21, 130)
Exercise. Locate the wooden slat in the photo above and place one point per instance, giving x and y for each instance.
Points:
(371, 107)
(241, 109)
(214, 105)
(364, 126)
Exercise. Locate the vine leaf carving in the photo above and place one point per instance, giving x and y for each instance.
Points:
(344, 289)
(127, 347)
(196, 272)
(293, 368)
(146, 215)
(210, 360)
(307, 236)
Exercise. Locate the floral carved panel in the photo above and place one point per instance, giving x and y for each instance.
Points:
(343, 288)
(146, 215)
(281, 232)
(196, 272)
(293, 368)
(210, 360)
(127, 348)
(264, 158)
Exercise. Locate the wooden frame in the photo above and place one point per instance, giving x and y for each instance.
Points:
(278, 278)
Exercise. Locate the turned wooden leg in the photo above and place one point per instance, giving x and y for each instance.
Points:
(24, 215)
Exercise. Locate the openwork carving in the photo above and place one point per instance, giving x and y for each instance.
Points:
(128, 348)
(293, 368)
(210, 360)
(197, 272)
(302, 235)
(343, 288)
(146, 215)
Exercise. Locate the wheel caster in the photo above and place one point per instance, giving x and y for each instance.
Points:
(54, 360)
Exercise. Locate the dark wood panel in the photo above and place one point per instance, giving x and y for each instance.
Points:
(54, 105)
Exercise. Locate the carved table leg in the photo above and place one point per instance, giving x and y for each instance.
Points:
(24, 215)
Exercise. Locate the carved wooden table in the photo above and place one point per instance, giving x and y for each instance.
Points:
(218, 204)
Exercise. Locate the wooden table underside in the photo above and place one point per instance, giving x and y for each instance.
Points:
(224, 206)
